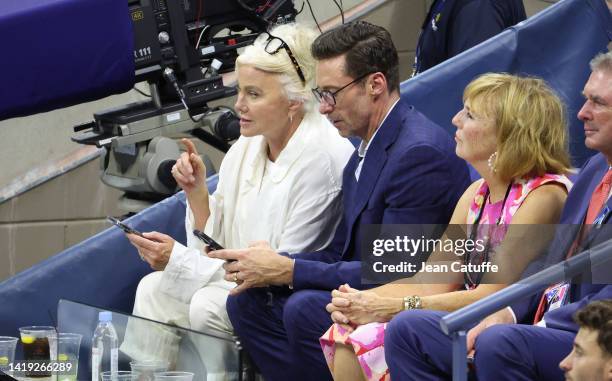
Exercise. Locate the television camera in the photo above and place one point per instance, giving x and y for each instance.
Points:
(181, 47)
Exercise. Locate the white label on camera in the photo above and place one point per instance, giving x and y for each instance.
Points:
(173, 117)
(207, 50)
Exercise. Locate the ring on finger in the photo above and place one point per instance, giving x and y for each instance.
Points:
(236, 277)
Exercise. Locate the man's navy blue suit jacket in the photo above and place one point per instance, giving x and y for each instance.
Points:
(410, 175)
(573, 213)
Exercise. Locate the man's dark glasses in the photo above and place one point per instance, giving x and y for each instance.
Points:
(329, 97)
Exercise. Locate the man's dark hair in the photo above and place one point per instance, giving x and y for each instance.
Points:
(368, 49)
(597, 316)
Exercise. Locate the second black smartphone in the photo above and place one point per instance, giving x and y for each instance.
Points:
(209, 241)
(123, 226)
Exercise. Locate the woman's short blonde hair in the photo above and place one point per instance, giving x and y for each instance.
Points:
(530, 123)
(299, 38)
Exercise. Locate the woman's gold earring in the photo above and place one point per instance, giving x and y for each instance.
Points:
(491, 162)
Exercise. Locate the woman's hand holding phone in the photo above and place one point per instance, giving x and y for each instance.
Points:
(153, 247)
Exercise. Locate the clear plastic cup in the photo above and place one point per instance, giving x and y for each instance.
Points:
(68, 347)
(148, 368)
(174, 376)
(121, 375)
(39, 346)
(7, 352)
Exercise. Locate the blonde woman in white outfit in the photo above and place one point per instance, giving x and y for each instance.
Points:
(280, 182)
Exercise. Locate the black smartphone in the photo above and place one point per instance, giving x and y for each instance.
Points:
(209, 241)
(124, 227)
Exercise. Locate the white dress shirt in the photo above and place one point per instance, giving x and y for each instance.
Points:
(294, 203)
(363, 148)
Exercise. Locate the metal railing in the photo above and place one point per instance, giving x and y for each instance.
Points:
(457, 323)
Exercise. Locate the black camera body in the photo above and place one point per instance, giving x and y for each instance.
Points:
(180, 49)
(183, 35)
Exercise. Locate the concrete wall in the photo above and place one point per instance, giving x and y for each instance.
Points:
(69, 208)
(53, 216)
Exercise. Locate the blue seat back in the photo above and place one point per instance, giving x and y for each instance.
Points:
(105, 269)
(556, 45)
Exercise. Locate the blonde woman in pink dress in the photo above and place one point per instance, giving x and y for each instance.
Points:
(512, 130)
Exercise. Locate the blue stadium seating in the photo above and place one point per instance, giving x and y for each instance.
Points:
(104, 270)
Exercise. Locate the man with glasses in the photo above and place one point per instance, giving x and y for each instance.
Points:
(405, 171)
(588, 206)
(527, 340)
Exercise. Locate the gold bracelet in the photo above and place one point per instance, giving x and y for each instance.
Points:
(412, 302)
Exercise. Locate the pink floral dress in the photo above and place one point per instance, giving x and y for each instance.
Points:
(368, 340)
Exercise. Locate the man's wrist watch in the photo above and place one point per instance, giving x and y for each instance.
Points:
(290, 284)
(412, 302)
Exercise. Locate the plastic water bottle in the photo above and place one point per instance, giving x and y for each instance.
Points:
(104, 347)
